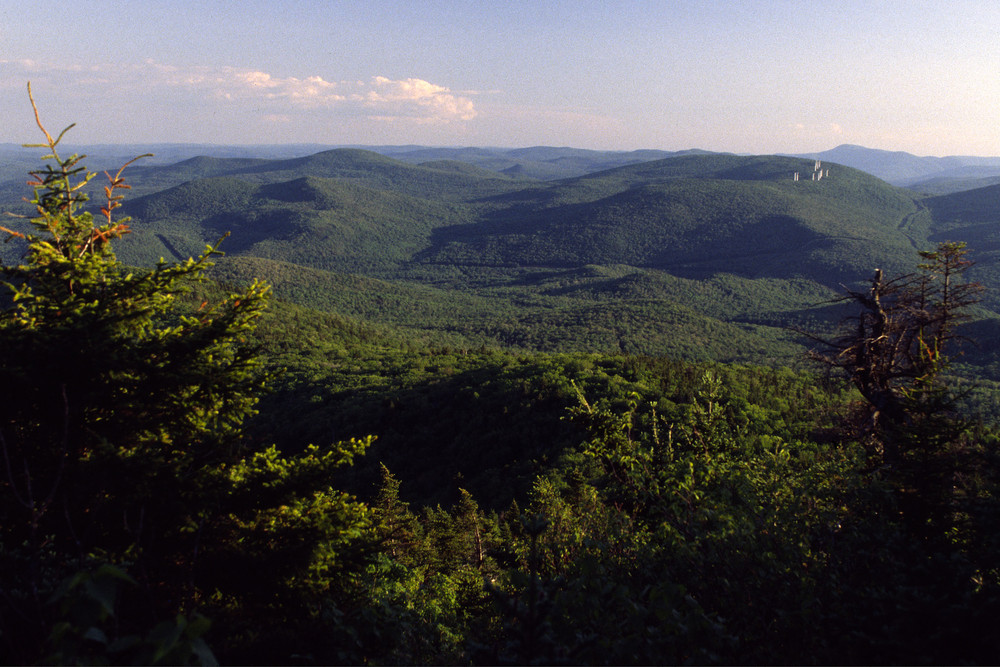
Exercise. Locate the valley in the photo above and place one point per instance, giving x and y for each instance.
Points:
(549, 377)
(462, 253)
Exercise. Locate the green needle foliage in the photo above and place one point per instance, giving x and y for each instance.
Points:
(122, 401)
(577, 508)
(121, 436)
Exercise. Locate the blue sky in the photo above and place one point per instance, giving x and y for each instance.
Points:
(749, 77)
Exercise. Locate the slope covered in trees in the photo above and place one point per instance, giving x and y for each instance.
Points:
(541, 483)
(544, 163)
(695, 216)
(663, 256)
(669, 214)
(131, 501)
(315, 222)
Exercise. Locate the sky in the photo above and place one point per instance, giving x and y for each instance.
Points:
(746, 77)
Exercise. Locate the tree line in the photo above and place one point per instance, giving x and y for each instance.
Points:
(670, 512)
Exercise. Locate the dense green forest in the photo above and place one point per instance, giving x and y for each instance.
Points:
(442, 414)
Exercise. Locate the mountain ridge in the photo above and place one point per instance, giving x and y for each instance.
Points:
(938, 175)
(642, 257)
(908, 170)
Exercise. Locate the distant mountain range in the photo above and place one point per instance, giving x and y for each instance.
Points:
(697, 254)
(932, 175)
(693, 214)
(928, 175)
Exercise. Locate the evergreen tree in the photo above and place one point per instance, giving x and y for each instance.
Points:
(118, 400)
(121, 441)
(398, 528)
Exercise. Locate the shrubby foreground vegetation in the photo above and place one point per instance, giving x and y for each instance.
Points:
(161, 502)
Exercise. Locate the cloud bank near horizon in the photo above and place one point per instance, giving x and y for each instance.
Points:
(259, 96)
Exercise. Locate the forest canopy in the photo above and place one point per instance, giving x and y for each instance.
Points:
(194, 471)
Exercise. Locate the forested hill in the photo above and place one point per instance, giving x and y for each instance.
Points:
(690, 215)
(359, 166)
(696, 216)
(544, 163)
(661, 251)
(496, 420)
(657, 256)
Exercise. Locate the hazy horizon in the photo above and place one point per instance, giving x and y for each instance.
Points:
(754, 78)
(68, 142)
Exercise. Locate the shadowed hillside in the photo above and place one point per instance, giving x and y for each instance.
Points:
(695, 216)
(311, 221)
(697, 255)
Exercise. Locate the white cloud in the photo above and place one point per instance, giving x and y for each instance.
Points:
(380, 98)
(407, 89)
(419, 98)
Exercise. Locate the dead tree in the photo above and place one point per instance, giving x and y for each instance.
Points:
(895, 349)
